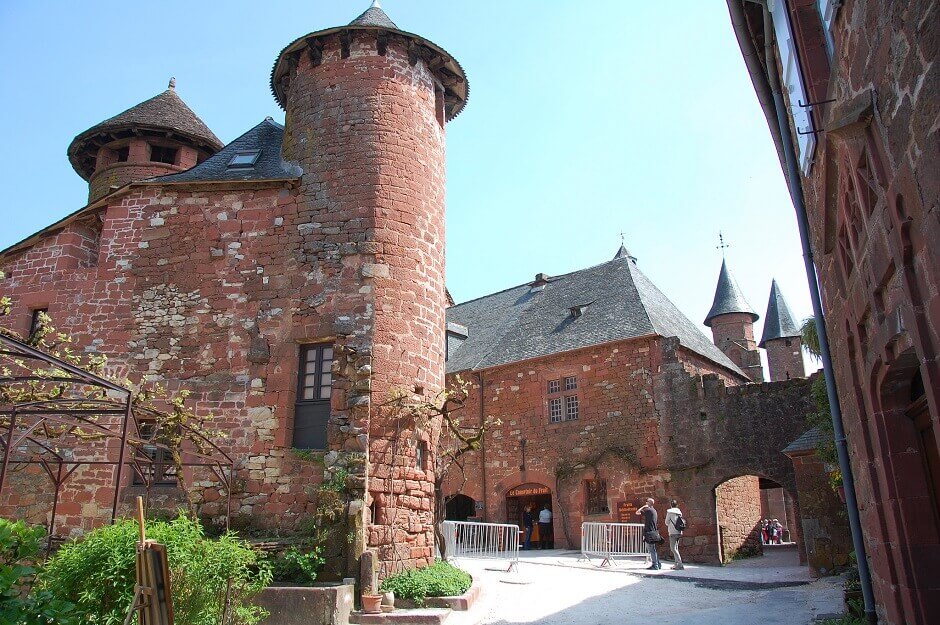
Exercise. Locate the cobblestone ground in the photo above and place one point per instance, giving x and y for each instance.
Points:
(553, 591)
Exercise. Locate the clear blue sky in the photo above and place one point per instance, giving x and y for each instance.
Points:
(586, 119)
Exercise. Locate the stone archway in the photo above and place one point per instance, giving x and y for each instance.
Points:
(459, 507)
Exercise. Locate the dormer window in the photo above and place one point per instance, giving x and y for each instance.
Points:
(246, 159)
(123, 154)
(577, 311)
(162, 154)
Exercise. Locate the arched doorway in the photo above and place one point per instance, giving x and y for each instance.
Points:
(459, 507)
(742, 505)
(531, 494)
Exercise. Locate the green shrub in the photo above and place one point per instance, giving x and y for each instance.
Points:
(19, 547)
(97, 572)
(298, 567)
(441, 579)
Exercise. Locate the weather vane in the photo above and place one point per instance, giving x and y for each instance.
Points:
(721, 244)
(622, 235)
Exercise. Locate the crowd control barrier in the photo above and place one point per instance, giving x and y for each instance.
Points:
(612, 540)
(494, 541)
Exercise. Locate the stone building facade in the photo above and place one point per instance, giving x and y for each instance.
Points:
(606, 394)
(291, 280)
(866, 137)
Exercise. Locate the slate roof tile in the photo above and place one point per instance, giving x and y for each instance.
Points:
(778, 322)
(266, 137)
(529, 321)
(728, 297)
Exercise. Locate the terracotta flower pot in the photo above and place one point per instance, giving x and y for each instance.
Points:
(372, 604)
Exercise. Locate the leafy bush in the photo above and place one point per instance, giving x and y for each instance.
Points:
(297, 566)
(98, 573)
(19, 546)
(441, 579)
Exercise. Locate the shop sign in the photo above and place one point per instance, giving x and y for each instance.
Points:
(529, 490)
(626, 512)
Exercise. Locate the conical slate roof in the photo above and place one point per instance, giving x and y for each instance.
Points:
(374, 16)
(616, 301)
(728, 297)
(778, 323)
(624, 253)
(163, 113)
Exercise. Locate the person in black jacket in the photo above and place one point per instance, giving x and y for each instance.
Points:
(527, 524)
(651, 531)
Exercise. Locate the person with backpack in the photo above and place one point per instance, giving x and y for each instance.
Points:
(675, 523)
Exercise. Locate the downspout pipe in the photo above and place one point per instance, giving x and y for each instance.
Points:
(796, 195)
(483, 441)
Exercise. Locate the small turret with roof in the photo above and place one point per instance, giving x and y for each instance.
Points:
(782, 339)
(156, 137)
(732, 319)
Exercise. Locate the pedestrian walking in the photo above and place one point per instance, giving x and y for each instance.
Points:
(651, 532)
(675, 525)
(545, 528)
(528, 525)
(778, 532)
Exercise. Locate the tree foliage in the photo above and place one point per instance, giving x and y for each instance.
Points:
(20, 603)
(452, 433)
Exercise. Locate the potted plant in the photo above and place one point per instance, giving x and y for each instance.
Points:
(371, 603)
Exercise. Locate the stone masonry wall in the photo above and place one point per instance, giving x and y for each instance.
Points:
(739, 515)
(873, 197)
(785, 359)
(825, 523)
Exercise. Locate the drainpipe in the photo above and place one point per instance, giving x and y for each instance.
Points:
(482, 442)
(796, 195)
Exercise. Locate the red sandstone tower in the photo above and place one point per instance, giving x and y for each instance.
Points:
(156, 137)
(781, 338)
(366, 107)
(732, 319)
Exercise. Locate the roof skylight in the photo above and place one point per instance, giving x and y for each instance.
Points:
(244, 159)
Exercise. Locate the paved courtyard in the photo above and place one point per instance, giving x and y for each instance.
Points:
(554, 588)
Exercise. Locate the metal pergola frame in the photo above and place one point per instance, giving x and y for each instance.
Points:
(56, 433)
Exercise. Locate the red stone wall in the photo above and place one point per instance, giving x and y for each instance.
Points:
(668, 432)
(181, 292)
(738, 505)
(785, 359)
(825, 523)
(872, 198)
(615, 403)
(733, 333)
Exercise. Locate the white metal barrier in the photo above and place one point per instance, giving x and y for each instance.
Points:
(497, 541)
(612, 540)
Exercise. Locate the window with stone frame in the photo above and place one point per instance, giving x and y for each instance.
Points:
(572, 408)
(314, 389)
(571, 383)
(421, 456)
(554, 386)
(595, 498)
(555, 414)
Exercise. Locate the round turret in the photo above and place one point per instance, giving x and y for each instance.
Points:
(366, 108)
(156, 137)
